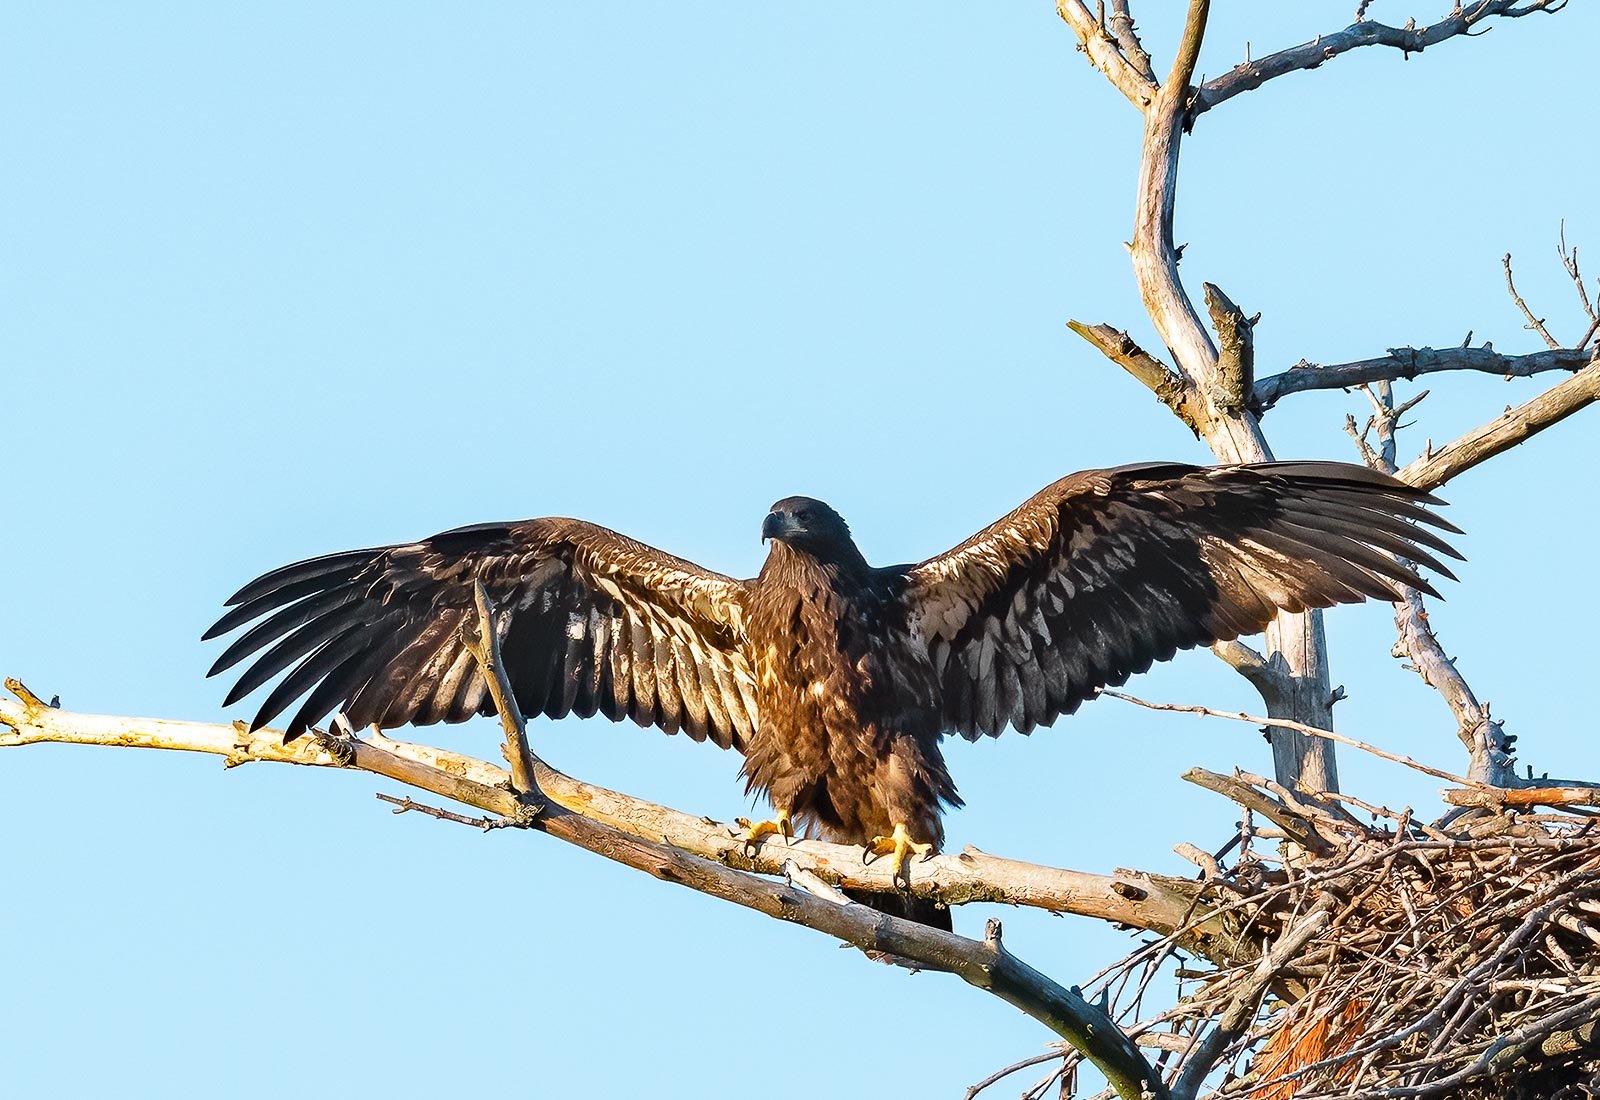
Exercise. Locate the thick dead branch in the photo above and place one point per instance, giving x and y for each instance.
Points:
(1234, 381)
(1169, 386)
(1237, 788)
(1252, 74)
(1540, 795)
(1267, 678)
(1131, 898)
(1409, 363)
(1506, 431)
(1188, 55)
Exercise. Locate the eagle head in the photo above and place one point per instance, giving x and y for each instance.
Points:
(809, 525)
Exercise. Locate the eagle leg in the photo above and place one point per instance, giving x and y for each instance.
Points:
(902, 847)
(757, 832)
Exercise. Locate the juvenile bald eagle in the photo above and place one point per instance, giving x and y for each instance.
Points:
(836, 679)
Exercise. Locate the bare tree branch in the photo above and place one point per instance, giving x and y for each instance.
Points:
(1234, 382)
(1104, 53)
(484, 645)
(1169, 386)
(1409, 363)
(1301, 727)
(1131, 898)
(1266, 677)
(1127, 36)
(1250, 75)
(1487, 744)
(985, 964)
(1569, 260)
(1188, 56)
(1001, 1074)
(1506, 431)
(1546, 793)
(1536, 324)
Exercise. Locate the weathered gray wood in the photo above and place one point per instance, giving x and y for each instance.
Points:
(1409, 39)
(1409, 363)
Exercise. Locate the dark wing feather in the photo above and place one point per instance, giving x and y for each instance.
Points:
(590, 623)
(1107, 571)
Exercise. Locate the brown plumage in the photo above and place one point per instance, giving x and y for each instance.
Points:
(836, 679)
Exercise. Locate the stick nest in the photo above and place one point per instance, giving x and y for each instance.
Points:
(1396, 959)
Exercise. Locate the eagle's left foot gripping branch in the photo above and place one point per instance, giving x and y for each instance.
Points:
(757, 833)
(902, 847)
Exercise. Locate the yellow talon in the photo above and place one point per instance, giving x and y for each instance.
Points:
(902, 847)
(757, 832)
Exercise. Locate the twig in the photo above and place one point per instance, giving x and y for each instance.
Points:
(1015, 1067)
(406, 805)
(1299, 727)
(1247, 794)
(1534, 323)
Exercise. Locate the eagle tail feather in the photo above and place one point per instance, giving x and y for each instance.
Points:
(905, 906)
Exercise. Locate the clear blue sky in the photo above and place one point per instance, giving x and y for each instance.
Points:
(285, 279)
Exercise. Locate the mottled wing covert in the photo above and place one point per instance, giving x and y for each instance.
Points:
(1107, 571)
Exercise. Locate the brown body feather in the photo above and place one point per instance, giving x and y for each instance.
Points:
(835, 679)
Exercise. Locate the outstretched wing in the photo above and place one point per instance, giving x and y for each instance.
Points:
(1107, 571)
(590, 621)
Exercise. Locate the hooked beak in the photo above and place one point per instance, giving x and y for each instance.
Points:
(777, 525)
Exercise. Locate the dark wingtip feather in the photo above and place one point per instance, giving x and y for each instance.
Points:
(309, 569)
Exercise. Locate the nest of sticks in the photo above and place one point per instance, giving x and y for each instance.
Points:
(1396, 959)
